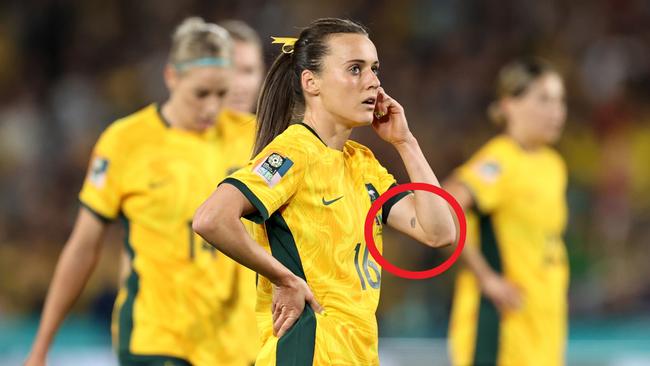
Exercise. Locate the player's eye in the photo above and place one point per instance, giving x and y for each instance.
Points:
(355, 70)
(375, 69)
(222, 93)
(201, 93)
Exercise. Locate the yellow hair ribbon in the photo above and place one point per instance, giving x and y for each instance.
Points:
(287, 43)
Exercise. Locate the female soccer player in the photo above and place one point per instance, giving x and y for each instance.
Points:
(248, 66)
(311, 188)
(510, 303)
(152, 169)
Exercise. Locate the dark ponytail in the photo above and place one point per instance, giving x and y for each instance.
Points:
(281, 96)
(276, 102)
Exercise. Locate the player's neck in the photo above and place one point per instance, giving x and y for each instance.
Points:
(169, 113)
(333, 133)
(523, 140)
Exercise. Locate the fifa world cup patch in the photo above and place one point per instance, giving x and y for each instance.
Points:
(273, 168)
(488, 170)
(98, 170)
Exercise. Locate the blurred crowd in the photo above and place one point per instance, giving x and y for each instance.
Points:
(69, 68)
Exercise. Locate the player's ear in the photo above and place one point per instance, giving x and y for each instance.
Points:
(505, 106)
(310, 82)
(171, 76)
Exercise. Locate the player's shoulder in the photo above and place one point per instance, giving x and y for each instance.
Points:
(358, 152)
(361, 157)
(301, 137)
(294, 142)
(355, 148)
(242, 119)
(492, 159)
(501, 147)
(555, 158)
(500, 151)
(234, 124)
(133, 129)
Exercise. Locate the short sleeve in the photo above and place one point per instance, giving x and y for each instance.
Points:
(385, 181)
(483, 175)
(101, 191)
(270, 179)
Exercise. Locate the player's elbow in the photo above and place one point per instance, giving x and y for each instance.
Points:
(442, 237)
(201, 224)
(207, 222)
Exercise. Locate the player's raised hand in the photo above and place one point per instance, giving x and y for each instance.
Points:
(289, 302)
(390, 121)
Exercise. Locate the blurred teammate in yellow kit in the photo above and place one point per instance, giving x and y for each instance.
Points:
(182, 302)
(248, 71)
(510, 303)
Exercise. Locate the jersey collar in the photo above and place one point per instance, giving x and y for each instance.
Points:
(312, 131)
(161, 116)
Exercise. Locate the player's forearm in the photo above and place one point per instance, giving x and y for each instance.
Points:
(72, 272)
(228, 235)
(475, 261)
(431, 211)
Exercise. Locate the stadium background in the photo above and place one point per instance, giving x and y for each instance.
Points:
(68, 68)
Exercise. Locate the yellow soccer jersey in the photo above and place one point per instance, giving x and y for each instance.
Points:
(154, 177)
(518, 220)
(312, 201)
(237, 340)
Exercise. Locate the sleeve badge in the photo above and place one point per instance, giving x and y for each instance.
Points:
(489, 170)
(98, 170)
(273, 168)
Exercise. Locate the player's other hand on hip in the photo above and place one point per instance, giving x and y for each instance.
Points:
(288, 303)
(503, 294)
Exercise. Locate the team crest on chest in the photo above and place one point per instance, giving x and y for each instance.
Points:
(373, 194)
(273, 168)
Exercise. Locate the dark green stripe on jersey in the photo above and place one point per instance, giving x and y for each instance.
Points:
(132, 287)
(296, 347)
(151, 360)
(262, 213)
(487, 333)
(283, 246)
(388, 205)
(125, 329)
(102, 218)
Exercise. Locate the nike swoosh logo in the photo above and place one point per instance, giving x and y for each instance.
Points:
(154, 185)
(327, 203)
